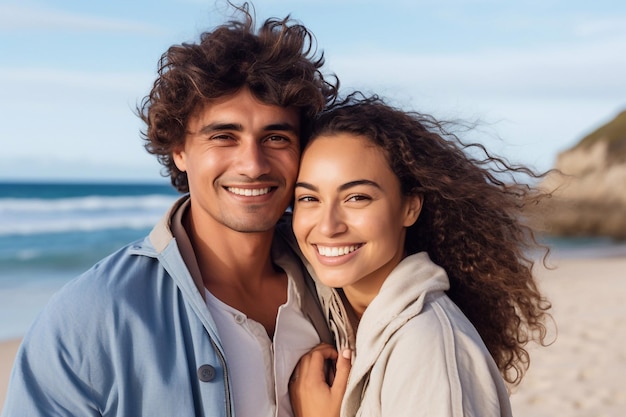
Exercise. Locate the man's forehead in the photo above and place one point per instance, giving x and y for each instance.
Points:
(241, 111)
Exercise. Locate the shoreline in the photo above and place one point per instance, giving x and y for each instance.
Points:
(580, 374)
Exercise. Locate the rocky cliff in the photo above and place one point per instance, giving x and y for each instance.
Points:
(589, 191)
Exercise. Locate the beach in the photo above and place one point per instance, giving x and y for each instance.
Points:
(580, 374)
(7, 353)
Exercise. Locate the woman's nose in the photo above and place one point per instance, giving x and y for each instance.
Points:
(331, 222)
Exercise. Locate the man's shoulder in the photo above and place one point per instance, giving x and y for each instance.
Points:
(111, 275)
(122, 284)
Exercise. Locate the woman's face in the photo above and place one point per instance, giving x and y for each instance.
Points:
(350, 215)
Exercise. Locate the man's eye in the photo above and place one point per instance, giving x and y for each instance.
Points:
(221, 137)
(278, 140)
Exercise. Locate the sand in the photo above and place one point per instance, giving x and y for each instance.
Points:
(7, 353)
(581, 373)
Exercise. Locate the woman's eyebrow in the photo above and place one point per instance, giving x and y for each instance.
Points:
(342, 187)
(355, 183)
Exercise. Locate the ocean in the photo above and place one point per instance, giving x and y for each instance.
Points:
(52, 232)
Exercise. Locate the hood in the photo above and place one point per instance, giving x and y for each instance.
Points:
(401, 298)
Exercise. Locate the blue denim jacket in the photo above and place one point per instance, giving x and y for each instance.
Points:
(130, 337)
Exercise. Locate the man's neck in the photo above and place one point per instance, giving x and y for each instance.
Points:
(228, 257)
(237, 269)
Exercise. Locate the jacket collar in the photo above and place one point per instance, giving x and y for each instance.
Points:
(161, 235)
(401, 298)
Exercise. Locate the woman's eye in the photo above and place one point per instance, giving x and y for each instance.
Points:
(306, 199)
(358, 197)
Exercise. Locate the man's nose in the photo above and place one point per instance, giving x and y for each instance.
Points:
(252, 160)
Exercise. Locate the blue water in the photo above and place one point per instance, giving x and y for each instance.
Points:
(50, 233)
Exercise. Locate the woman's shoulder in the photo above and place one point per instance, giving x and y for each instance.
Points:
(440, 326)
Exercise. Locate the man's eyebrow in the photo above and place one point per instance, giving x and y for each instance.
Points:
(342, 187)
(287, 127)
(219, 126)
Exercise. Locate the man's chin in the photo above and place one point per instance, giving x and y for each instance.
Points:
(258, 225)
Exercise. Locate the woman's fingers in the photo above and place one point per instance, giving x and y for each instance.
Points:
(310, 392)
(342, 372)
(311, 368)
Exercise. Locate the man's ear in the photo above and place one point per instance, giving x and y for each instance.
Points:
(179, 157)
(413, 207)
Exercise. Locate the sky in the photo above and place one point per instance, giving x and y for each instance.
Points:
(537, 75)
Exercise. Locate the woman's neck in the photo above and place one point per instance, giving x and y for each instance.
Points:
(354, 316)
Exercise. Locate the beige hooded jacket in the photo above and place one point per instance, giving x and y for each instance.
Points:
(415, 352)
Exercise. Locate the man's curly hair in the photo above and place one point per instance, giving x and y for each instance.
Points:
(471, 223)
(278, 63)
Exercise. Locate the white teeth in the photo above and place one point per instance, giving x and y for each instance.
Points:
(249, 192)
(335, 251)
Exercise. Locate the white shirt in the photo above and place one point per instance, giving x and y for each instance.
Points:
(259, 369)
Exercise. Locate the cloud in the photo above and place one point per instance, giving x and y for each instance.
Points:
(606, 26)
(17, 17)
(82, 80)
(580, 70)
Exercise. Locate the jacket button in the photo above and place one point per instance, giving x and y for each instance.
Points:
(206, 373)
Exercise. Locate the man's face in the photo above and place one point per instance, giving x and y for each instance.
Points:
(241, 158)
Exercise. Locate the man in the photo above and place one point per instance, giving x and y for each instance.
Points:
(210, 313)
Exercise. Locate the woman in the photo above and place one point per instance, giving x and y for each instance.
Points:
(422, 251)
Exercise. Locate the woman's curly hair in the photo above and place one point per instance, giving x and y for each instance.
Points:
(471, 223)
(279, 64)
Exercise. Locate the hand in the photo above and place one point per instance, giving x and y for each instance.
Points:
(311, 393)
